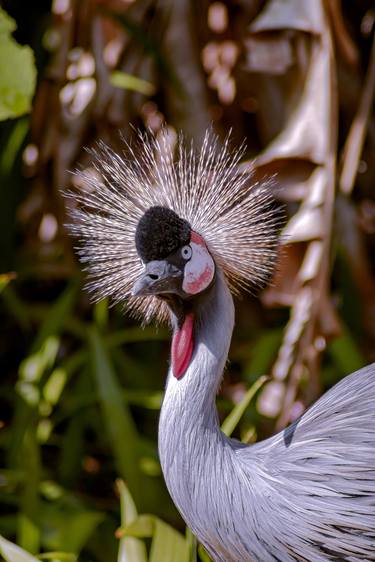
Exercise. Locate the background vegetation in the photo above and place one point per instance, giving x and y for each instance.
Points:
(81, 384)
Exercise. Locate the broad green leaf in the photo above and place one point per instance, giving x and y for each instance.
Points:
(231, 421)
(168, 545)
(67, 525)
(13, 553)
(77, 529)
(17, 72)
(131, 549)
(119, 423)
(142, 527)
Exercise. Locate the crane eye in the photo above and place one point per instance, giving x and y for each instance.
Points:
(186, 252)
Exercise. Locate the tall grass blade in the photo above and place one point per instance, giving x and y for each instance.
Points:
(117, 418)
(131, 549)
(231, 421)
(168, 545)
(13, 553)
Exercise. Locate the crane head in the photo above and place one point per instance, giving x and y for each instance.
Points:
(157, 225)
(176, 258)
(177, 267)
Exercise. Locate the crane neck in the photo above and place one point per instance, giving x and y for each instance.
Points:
(191, 444)
(191, 400)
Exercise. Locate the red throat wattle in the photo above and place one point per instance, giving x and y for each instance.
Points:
(182, 347)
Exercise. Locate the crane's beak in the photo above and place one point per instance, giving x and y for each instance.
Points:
(160, 277)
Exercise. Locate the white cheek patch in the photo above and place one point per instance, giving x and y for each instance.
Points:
(200, 270)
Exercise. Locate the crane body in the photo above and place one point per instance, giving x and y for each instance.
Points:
(307, 493)
(176, 239)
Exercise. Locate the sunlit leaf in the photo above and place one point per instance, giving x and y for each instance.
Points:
(13, 553)
(131, 549)
(129, 82)
(231, 421)
(58, 556)
(168, 545)
(17, 72)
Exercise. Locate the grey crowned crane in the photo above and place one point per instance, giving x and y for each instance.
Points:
(176, 238)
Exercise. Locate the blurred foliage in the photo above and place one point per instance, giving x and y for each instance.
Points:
(17, 72)
(81, 384)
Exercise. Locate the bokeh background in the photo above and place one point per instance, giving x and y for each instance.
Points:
(82, 384)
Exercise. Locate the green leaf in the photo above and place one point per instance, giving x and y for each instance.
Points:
(231, 421)
(28, 533)
(67, 524)
(120, 79)
(12, 552)
(263, 353)
(13, 145)
(17, 72)
(77, 529)
(16, 307)
(118, 420)
(101, 314)
(5, 278)
(345, 353)
(193, 545)
(168, 545)
(58, 556)
(142, 527)
(203, 554)
(131, 549)
(57, 315)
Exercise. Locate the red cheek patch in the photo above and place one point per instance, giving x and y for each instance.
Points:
(194, 285)
(182, 347)
(200, 270)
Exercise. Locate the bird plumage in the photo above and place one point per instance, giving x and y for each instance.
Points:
(306, 494)
(202, 186)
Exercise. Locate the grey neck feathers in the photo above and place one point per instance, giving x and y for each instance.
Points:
(190, 440)
(194, 394)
